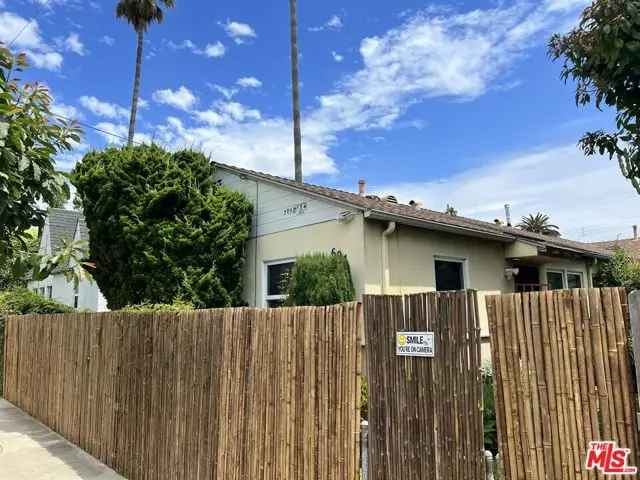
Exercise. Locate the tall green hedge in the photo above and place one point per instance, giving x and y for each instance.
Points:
(21, 301)
(320, 279)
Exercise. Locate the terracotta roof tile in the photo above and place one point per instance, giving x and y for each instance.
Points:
(630, 245)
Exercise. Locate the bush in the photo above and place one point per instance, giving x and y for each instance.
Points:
(364, 399)
(320, 279)
(161, 229)
(21, 301)
(489, 412)
(175, 307)
(622, 270)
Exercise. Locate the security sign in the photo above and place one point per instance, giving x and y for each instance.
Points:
(415, 344)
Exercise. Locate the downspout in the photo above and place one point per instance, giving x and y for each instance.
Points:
(391, 228)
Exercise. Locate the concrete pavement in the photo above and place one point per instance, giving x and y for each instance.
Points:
(31, 451)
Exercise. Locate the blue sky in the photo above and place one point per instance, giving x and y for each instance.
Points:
(446, 102)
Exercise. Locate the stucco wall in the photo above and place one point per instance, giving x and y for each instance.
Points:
(320, 237)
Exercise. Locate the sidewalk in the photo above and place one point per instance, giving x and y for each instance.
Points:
(31, 451)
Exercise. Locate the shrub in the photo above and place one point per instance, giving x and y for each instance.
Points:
(320, 279)
(622, 270)
(161, 229)
(364, 399)
(489, 412)
(176, 307)
(21, 301)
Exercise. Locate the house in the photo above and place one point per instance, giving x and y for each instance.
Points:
(394, 248)
(67, 225)
(631, 245)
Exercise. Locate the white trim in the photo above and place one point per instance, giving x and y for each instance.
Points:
(466, 279)
(266, 298)
(579, 274)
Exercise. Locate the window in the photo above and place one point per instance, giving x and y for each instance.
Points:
(76, 292)
(449, 275)
(555, 280)
(277, 273)
(49, 291)
(574, 280)
(42, 291)
(35, 290)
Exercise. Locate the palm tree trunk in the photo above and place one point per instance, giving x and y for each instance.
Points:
(136, 88)
(295, 87)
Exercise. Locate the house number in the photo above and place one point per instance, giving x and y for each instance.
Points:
(299, 209)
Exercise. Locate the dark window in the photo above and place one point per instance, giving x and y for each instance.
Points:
(276, 278)
(574, 280)
(49, 291)
(42, 291)
(275, 303)
(449, 276)
(555, 280)
(75, 301)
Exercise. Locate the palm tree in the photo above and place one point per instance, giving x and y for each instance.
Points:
(140, 14)
(451, 211)
(295, 87)
(539, 223)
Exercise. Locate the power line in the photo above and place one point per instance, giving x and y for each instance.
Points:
(19, 33)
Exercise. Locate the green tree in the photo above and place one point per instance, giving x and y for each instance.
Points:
(451, 211)
(622, 270)
(161, 229)
(320, 279)
(602, 56)
(30, 138)
(295, 89)
(140, 14)
(539, 223)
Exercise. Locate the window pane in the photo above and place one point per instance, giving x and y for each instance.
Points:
(276, 274)
(449, 276)
(574, 280)
(49, 292)
(75, 302)
(554, 280)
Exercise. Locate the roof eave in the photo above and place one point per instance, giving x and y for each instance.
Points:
(443, 227)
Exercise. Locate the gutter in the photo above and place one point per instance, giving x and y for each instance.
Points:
(391, 228)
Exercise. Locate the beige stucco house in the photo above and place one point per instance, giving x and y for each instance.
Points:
(394, 248)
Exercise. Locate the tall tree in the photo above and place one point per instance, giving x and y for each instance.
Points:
(140, 14)
(295, 88)
(539, 223)
(602, 56)
(161, 229)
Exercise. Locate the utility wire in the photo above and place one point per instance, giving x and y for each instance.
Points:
(19, 33)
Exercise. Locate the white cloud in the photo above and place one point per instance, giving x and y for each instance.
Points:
(107, 40)
(117, 134)
(337, 57)
(334, 23)
(104, 109)
(182, 99)
(215, 50)
(67, 111)
(239, 32)
(249, 82)
(558, 181)
(212, 50)
(226, 92)
(73, 44)
(26, 37)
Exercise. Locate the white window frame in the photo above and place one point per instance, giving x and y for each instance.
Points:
(466, 280)
(579, 274)
(266, 298)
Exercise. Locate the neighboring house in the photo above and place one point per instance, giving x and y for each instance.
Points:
(394, 248)
(630, 245)
(60, 225)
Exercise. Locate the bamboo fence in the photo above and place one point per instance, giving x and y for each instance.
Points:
(563, 378)
(425, 413)
(218, 394)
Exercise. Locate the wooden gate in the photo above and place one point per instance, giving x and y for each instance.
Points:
(563, 379)
(425, 417)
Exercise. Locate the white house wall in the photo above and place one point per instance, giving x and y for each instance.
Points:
(279, 209)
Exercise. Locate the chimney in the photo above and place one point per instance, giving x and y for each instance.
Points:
(362, 186)
(507, 211)
(635, 232)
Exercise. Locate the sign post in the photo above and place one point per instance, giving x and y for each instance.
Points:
(415, 344)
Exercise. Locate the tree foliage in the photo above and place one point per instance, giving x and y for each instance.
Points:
(160, 229)
(602, 56)
(451, 211)
(539, 223)
(30, 138)
(622, 270)
(320, 279)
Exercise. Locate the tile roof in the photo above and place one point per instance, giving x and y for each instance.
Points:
(408, 212)
(630, 245)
